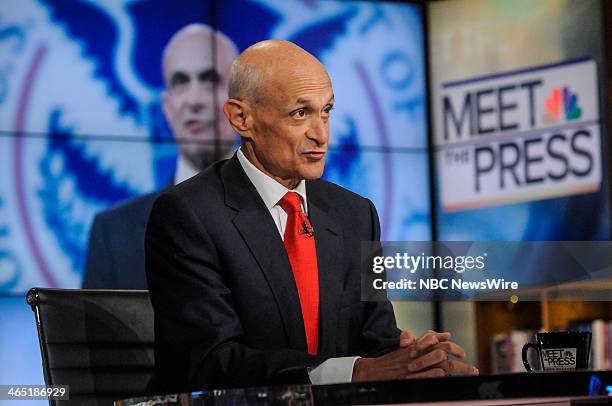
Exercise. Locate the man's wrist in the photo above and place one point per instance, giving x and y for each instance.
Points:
(360, 368)
(333, 370)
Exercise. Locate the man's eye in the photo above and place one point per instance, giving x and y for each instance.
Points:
(328, 109)
(178, 79)
(299, 113)
(209, 76)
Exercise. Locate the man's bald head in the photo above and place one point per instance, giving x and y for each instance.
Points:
(280, 102)
(261, 65)
(197, 37)
(196, 64)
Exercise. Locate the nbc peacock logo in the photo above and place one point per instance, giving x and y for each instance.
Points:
(561, 104)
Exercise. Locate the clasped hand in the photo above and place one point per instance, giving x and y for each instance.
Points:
(431, 355)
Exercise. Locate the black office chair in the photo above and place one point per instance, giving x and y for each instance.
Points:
(100, 342)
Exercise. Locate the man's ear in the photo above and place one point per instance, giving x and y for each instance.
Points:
(238, 113)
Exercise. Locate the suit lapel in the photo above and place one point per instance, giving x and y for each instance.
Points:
(257, 227)
(328, 239)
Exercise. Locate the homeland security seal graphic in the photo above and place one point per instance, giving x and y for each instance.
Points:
(82, 127)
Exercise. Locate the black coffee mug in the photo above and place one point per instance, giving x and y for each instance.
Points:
(560, 350)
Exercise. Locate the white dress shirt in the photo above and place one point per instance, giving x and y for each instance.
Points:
(334, 370)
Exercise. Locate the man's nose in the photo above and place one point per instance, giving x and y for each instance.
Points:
(319, 130)
(198, 98)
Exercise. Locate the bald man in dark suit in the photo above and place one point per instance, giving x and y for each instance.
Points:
(254, 264)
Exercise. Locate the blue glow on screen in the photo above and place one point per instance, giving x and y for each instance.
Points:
(86, 104)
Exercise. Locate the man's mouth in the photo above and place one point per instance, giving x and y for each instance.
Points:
(315, 155)
(196, 125)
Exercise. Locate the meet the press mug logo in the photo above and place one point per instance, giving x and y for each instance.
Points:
(560, 358)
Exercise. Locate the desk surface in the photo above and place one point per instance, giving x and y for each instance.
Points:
(554, 388)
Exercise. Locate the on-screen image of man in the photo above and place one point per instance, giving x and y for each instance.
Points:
(196, 84)
(254, 264)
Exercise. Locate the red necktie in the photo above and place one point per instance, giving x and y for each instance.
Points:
(300, 245)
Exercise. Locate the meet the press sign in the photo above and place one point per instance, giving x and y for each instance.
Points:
(519, 136)
(559, 358)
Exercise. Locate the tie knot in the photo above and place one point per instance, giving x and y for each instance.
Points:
(290, 203)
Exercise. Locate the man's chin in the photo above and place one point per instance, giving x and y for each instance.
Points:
(313, 174)
(200, 160)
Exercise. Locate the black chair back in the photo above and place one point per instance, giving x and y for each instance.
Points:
(100, 342)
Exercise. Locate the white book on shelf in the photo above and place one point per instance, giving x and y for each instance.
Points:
(606, 344)
(598, 344)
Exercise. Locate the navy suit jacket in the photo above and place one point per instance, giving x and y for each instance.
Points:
(115, 255)
(227, 311)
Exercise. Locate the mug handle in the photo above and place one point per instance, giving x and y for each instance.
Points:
(526, 348)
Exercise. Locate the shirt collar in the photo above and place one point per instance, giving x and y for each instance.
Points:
(270, 190)
(183, 171)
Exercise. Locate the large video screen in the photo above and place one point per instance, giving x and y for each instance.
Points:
(83, 120)
(517, 120)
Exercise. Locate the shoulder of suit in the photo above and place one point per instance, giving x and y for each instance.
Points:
(203, 184)
(333, 194)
